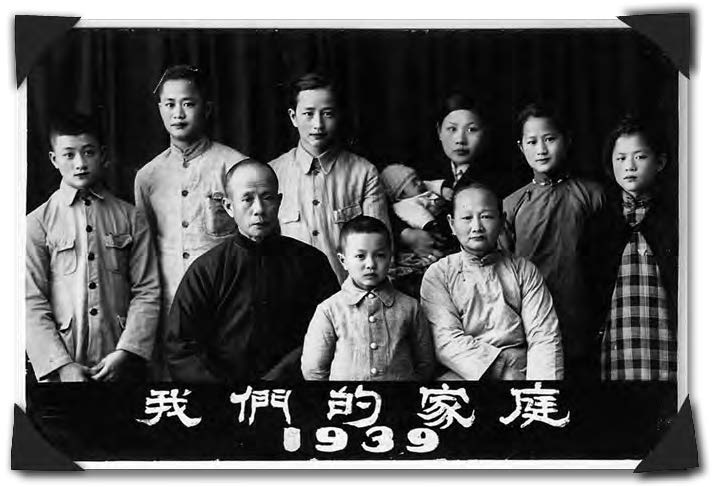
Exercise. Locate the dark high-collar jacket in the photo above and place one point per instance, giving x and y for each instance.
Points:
(610, 235)
(242, 309)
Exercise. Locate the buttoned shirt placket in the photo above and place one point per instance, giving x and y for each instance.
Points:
(185, 224)
(88, 238)
(377, 333)
(317, 190)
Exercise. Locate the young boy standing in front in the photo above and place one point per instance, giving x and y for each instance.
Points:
(324, 186)
(92, 285)
(182, 188)
(368, 331)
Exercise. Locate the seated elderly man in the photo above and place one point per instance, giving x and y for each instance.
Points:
(242, 308)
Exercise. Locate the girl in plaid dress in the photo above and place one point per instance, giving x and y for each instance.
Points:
(638, 268)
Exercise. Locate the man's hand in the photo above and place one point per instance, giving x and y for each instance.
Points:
(111, 367)
(73, 372)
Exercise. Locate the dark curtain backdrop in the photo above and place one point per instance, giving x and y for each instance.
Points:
(392, 81)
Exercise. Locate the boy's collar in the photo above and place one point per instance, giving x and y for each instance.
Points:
(354, 295)
(194, 150)
(485, 260)
(69, 193)
(326, 158)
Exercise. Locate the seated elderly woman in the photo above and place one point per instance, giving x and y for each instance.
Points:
(491, 314)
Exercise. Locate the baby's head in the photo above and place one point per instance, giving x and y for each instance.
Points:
(476, 218)
(365, 251)
(635, 154)
(401, 182)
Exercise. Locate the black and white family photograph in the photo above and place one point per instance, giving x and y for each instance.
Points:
(340, 241)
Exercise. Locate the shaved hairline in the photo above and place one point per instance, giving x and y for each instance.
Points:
(245, 163)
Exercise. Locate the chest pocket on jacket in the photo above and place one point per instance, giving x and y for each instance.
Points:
(64, 257)
(217, 222)
(289, 213)
(347, 213)
(118, 246)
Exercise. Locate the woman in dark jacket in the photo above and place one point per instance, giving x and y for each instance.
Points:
(634, 259)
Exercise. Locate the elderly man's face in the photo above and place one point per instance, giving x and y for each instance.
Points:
(253, 201)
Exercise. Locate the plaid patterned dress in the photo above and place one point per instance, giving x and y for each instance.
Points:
(639, 342)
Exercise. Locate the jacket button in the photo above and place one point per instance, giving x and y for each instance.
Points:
(92, 285)
(371, 319)
(315, 233)
(93, 312)
(186, 164)
(186, 255)
(87, 202)
(185, 224)
(374, 371)
(90, 256)
(373, 346)
(89, 229)
(315, 202)
(184, 193)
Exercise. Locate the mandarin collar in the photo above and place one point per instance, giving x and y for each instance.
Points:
(630, 201)
(266, 244)
(194, 150)
(354, 295)
(469, 260)
(542, 179)
(326, 159)
(68, 194)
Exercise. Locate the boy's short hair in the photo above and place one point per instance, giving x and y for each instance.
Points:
(363, 224)
(462, 185)
(313, 81)
(632, 124)
(542, 109)
(74, 124)
(186, 72)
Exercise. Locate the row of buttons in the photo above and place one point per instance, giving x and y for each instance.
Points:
(185, 224)
(372, 345)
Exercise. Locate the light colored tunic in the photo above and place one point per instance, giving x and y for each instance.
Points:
(478, 307)
(321, 194)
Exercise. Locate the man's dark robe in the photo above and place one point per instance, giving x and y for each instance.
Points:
(242, 309)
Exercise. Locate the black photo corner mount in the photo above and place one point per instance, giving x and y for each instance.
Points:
(31, 451)
(671, 32)
(677, 449)
(33, 35)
